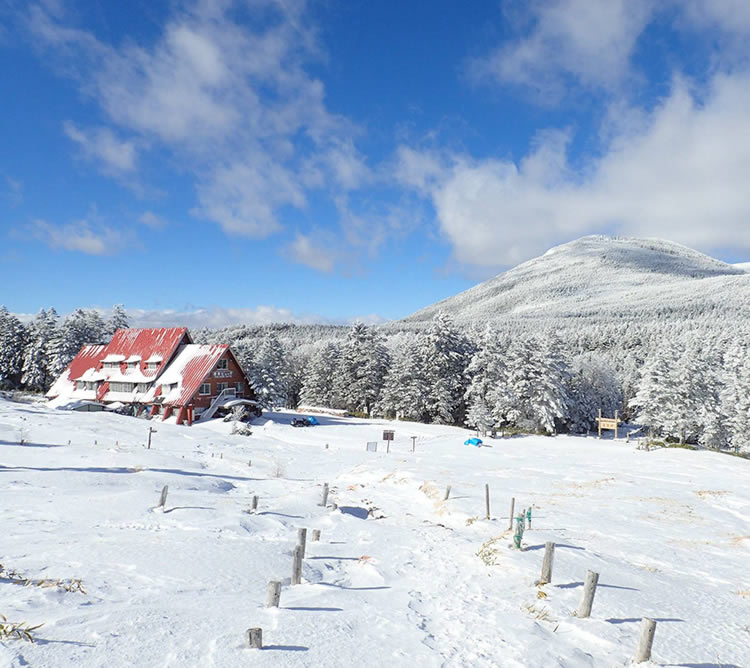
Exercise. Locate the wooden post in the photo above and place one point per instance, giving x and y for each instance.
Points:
(151, 430)
(616, 422)
(512, 509)
(646, 639)
(447, 493)
(254, 638)
(387, 447)
(297, 565)
(315, 535)
(599, 423)
(487, 499)
(254, 504)
(413, 443)
(589, 589)
(302, 540)
(274, 594)
(249, 462)
(163, 497)
(324, 500)
(549, 556)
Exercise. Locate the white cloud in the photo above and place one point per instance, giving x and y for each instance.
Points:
(305, 250)
(80, 236)
(233, 103)
(216, 316)
(101, 144)
(680, 172)
(150, 219)
(592, 42)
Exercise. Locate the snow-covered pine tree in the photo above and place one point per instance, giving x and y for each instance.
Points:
(486, 374)
(402, 395)
(36, 362)
(12, 343)
(118, 320)
(650, 401)
(270, 372)
(735, 396)
(363, 365)
(319, 377)
(445, 354)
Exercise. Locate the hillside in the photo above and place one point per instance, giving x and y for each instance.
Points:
(599, 276)
(400, 576)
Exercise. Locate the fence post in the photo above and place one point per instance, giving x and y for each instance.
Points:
(302, 540)
(512, 510)
(254, 504)
(549, 555)
(315, 535)
(274, 594)
(297, 565)
(487, 499)
(255, 638)
(646, 639)
(447, 493)
(589, 589)
(163, 497)
(324, 500)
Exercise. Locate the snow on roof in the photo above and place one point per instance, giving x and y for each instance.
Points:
(188, 370)
(154, 359)
(114, 358)
(88, 357)
(132, 359)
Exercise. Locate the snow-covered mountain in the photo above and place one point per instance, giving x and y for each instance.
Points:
(598, 276)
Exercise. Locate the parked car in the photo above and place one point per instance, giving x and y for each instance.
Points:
(308, 421)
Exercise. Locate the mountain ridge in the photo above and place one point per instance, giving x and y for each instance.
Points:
(599, 276)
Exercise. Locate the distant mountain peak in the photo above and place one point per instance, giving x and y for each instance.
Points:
(593, 276)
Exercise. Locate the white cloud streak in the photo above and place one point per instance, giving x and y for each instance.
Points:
(680, 173)
(233, 103)
(80, 236)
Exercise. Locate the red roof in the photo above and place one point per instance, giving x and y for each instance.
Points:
(147, 342)
(190, 368)
(88, 357)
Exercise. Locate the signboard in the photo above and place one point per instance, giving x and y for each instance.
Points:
(222, 373)
(608, 423)
(372, 446)
(388, 434)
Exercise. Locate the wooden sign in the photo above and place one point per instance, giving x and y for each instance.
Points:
(608, 423)
(388, 434)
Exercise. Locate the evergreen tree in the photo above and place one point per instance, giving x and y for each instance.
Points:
(403, 391)
(79, 328)
(445, 354)
(12, 343)
(363, 365)
(118, 320)
(36, 360)
(319, 377)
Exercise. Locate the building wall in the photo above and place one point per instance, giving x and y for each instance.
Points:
(231, 375)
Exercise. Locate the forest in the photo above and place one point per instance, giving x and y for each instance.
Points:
(686, 381)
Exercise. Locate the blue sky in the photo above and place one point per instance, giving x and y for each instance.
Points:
(215, 161)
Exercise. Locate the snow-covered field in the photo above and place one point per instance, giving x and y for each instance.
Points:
(418, 581)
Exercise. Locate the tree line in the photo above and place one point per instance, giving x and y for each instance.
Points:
(687, 382)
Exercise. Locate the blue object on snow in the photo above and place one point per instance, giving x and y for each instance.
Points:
(312, 420)
(476, 442)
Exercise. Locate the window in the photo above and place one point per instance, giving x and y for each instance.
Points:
(205, 389)
(223, 364)
(144, 387)
(239, 388)
(152, 365)
(220, 387)
(121, 387)
(80, 385)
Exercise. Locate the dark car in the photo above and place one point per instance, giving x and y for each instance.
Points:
(308, 421)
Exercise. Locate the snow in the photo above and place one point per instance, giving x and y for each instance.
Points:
(429, 583)
(111, 358)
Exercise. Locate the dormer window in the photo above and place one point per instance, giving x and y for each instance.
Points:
(223, 364)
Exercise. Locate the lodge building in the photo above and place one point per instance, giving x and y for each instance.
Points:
(158, 370)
